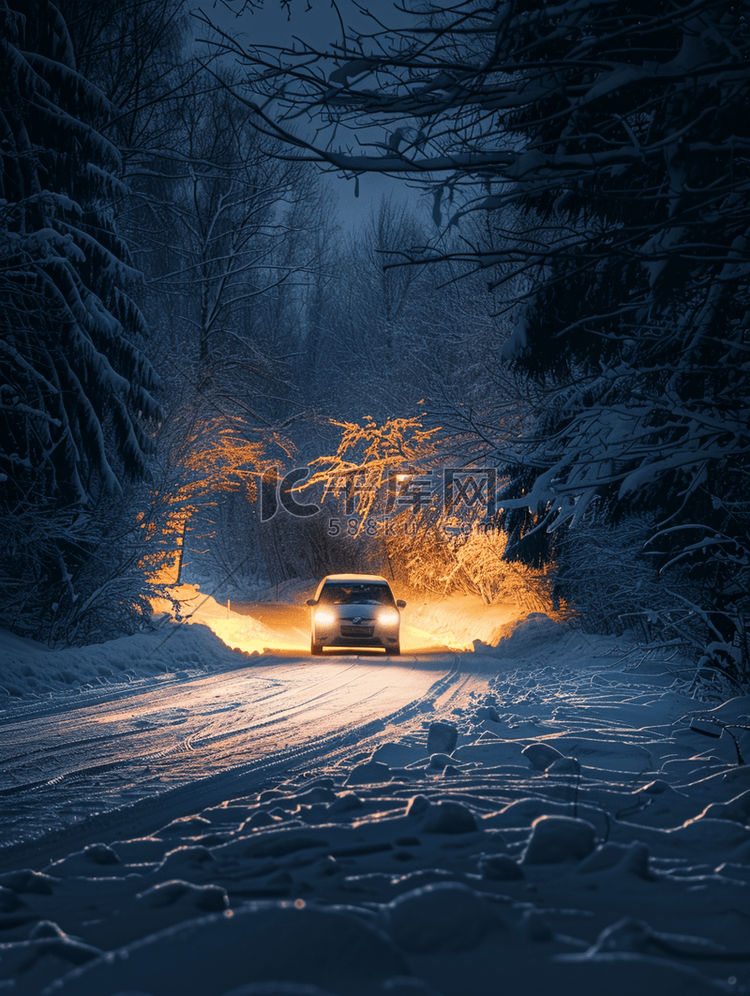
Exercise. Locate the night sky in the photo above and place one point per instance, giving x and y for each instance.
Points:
(316, 22)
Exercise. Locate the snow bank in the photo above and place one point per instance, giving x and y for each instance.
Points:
(31, 670)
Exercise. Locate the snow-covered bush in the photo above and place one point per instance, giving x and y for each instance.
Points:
(616, 586)
(473, 563)
(618, 582)
(403, 525)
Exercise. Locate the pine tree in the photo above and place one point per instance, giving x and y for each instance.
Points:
(76, 386)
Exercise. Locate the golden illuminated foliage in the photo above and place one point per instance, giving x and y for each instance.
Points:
(203, 459)
(369, 455)
(428, 546)
(474, 564)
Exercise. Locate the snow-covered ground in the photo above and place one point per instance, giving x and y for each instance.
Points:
(558, 814)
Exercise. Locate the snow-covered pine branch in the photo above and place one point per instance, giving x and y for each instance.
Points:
(77, 388)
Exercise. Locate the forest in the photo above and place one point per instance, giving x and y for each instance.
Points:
(539, 387)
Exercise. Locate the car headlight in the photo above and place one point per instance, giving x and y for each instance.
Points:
(324, 617)
(388, 616)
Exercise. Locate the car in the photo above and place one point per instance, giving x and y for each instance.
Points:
(355, 610)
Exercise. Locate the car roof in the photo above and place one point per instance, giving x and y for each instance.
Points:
(370, 578)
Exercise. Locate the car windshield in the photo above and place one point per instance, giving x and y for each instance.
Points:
(359, 593)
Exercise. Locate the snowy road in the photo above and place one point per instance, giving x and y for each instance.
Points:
(59, 766)
(556, 813)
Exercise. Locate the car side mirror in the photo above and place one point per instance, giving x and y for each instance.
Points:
(401, 603)
(312, 601)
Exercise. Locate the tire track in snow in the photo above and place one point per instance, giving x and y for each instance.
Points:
(37, 754)
(197, 783)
